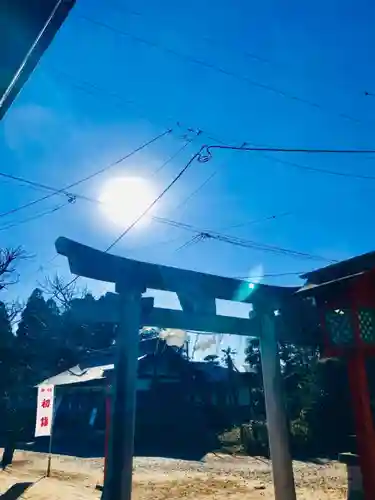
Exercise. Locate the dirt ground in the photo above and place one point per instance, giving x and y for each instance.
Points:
(218, 477)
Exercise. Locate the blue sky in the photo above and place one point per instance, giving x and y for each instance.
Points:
(321, 52)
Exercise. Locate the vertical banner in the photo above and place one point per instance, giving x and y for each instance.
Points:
(44, 411)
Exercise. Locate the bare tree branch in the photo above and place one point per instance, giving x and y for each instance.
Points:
(9, 257)
(61, 291)
(14, 310)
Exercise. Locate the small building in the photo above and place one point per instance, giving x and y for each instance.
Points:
(179, 402)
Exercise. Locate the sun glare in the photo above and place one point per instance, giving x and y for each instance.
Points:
(123, 199)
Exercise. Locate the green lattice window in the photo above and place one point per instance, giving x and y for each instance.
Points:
(366, 325)
(339, 327)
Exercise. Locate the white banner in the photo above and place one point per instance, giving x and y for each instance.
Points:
(44, 410)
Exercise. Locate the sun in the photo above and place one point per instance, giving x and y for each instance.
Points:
(124, 199)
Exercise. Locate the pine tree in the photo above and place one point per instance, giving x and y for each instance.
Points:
(38, 337)
(8, 353)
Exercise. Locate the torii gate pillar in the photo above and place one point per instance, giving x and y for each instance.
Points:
(278, 434)
(119, 461)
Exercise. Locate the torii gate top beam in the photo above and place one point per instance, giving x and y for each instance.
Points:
(91, 263)
(196, 292)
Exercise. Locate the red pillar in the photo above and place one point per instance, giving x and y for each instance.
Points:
(363, 421)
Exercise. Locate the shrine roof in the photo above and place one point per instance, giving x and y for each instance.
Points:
(340, 270)
(313, 289)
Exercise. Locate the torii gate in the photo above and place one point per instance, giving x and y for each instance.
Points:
(197, 293)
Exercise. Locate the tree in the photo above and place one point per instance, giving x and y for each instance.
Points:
(38, 336)
(8, 352)
(228, 355)
(9, 257)
(253, 360)
(63, 292)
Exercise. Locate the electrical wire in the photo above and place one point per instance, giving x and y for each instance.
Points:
(207, 234)
(216, 41)
(218, 69)
(65, 189)
(270, 275)
(34, 184)
(272, 149)
(196, 191)
(205, 154)
(256, 221)
(158, 243)
(72, 197)
(320, 170)
(215, 139)
(196, 156)
(146, 211)
(36, 217)
(190, 242)
(242, 242)
(93, 89)
(171, 158)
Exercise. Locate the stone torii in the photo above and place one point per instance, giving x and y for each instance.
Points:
(197, 293)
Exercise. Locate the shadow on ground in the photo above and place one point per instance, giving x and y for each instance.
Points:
(16, 491)
(92, 449)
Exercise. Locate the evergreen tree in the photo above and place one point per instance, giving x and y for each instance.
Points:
(8, 353)
(38, 337)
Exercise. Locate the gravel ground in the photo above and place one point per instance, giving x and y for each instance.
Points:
(218, 477)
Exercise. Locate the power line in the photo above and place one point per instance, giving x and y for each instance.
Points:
(37, 216)
(256, 221)
(216, 235)
(171, 158)
(216, 41)
(270, 275)
(272, 149)
(196, 156)
(203, 233)
(158, 243)
(65, 189)
(205, 155)
(31, 183)
(190, 242)
(214, 138)
(278, 160)
(94, 89)
(320, 170)
(71, 197)
(196, 191)
(146, 211)
(206, 234)
(219, 69)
